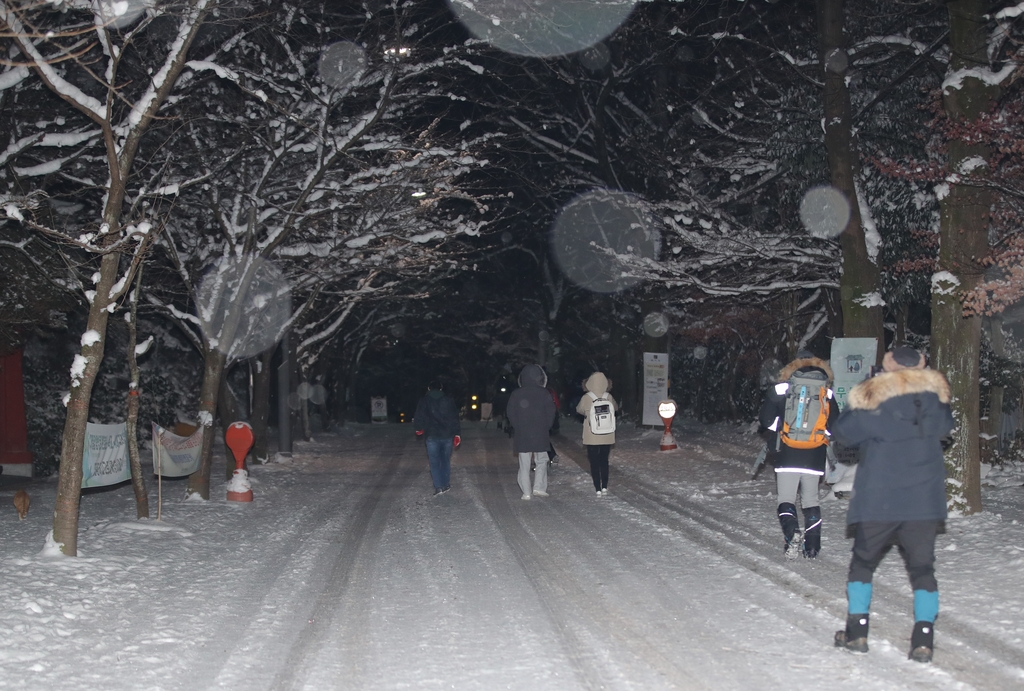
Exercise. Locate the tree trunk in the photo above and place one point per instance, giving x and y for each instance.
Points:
(860, 275)
(901, 314)
(994, 421)
(963, 241)
(131, 424)
(790, 303)
(307, 429)
(284, 390)
(120, 151)
(834, 309)
(261, 405)
(227, 409)
(213, 370)
(69, 484)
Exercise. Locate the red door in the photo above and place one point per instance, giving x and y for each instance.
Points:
(14, 454)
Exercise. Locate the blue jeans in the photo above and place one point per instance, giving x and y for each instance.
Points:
(439, 451)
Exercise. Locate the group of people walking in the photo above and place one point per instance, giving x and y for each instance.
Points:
(532, 412)
(897, 419)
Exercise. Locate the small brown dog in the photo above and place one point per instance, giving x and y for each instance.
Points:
(21, 502)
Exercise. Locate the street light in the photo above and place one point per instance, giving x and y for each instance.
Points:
(667, 411)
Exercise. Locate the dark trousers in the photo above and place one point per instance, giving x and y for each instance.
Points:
(916, 542)
(597, 454)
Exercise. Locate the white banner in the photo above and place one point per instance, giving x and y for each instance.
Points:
(655, 386)
(175, 456)
(105, 458)
(851, 361)
(378, 409)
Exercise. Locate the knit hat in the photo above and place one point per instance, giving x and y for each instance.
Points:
(902, 357)
(804, 354)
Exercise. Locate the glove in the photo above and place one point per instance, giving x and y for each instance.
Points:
(420, 432)
(458, 440)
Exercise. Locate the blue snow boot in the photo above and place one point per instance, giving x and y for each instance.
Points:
(812, 532)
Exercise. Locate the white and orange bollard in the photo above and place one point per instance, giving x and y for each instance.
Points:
(667, 411)
(239, 438)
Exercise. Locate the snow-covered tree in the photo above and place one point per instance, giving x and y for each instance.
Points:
(324, 153)
(115, 66)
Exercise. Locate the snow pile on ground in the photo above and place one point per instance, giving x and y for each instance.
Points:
(158, 604)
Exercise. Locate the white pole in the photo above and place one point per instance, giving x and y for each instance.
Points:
(159, 475)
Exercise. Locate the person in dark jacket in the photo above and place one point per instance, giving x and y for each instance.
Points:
(898, 420)
(798, 469)
(531, 411)
(437, 419)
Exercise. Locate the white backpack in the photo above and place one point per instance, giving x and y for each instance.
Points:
(601, 415)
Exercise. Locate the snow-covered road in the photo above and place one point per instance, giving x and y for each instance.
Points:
(345, 573)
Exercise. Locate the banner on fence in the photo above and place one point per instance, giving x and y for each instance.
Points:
(105, 458)
(174, 456)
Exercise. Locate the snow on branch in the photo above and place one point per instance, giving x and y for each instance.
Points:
(549, 142)
(160, 82)
(1010, 12)
(65, 89)
(955, 79)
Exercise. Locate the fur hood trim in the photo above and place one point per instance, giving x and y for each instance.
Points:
(871, 393)
(800, 363)
(597, 384)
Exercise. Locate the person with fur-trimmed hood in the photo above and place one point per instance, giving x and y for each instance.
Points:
(898, 419)
(798, 470)
(599, 446)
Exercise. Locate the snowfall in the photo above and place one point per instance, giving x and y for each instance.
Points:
(345, 572)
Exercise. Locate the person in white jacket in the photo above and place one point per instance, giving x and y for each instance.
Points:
(599, 446)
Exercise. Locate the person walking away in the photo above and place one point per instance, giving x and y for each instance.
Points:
(597, 441)
(437, 419)
(898, 420)
(799, 410)
(532, 412)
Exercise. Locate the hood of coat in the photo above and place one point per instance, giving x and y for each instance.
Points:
(871, 393)
(801, 363)
(597, 384)
(533, 375)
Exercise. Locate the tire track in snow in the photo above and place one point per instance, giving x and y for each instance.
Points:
(971, 656)
(363, 528)
(293, 573)
(581, 625)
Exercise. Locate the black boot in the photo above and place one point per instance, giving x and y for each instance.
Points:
(922, 641)
(855, 637)
(790, 529)
(812, 532)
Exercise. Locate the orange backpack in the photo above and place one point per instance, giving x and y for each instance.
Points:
(807, 408)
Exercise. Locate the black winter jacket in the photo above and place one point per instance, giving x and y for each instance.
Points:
(898, 420)
(437, 415)
(774, 407)
(531, 410)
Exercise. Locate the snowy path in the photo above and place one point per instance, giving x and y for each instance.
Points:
(345, 574)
